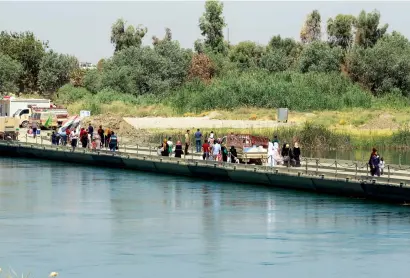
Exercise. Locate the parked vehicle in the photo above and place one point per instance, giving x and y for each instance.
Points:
(24, 114)
(49, 118)
(10, 105)
(250, 149)
(9, 128)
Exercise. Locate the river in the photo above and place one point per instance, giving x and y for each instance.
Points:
(90, 222)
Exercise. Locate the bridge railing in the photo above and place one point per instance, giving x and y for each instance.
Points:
(323, 168)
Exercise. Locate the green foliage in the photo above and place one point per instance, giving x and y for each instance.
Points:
(311, 30)
(108, 95)
(211, 24)
(92, 80)
(310, 91)
(384, 68)
(246, 54)
(10, 71)
(340, 30)
(123, 37)
(55, 70)
(318, 136)
(26, 49)
(391, 100)
(68, 94)
(144, 70)
(289, 46)
(222, 63)
(275, 60)
(167, 37)
(199, 46)
(367, 29)
(298, 75)
(401, 138)
(320, 57)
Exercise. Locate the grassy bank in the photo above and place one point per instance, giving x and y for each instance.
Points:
(310, 136)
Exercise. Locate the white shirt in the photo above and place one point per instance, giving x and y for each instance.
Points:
(216, 149)
(170, 144)
(73, 135)
(270, 148)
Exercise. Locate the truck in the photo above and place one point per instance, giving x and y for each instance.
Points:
(10, 105)
(9, 128)
(51, 118)
(250, 149)
(24, 114)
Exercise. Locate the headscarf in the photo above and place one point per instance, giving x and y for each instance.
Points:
(178, 142)
(165, 140)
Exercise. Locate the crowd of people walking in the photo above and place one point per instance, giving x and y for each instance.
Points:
(216, 149)
(212, 148)
(87, 138)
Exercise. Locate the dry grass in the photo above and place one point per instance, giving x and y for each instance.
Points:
(122, 109)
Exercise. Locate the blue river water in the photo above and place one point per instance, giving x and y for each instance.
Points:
(97, 222)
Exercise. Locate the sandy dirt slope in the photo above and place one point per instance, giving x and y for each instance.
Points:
(198, 122)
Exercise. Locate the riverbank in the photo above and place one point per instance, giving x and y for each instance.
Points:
(380, 127)
(311, 135)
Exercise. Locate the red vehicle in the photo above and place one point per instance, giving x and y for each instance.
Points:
(242, 142)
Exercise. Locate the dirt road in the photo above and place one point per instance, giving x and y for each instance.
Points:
(198, 122)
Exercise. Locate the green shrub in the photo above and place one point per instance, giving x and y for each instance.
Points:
(296, 91)
(92, 80)
(69, 94)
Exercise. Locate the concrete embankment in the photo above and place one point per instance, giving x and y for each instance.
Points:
(319, 180)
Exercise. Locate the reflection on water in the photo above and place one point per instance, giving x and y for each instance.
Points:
(90, 222)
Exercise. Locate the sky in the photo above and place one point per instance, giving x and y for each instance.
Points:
(82, 28)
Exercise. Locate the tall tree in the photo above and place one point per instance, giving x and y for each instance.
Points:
(275, 60)
(28, 51)
(320, 57)
(311, 30)
(199, 46)
(55, 71)
(123, 37)
(167, 37)
(384, 68)
(367, 29)
(141, 70)
(246, 54)
(287, 46)
(211, 24)
(340, 30)
(10, 71)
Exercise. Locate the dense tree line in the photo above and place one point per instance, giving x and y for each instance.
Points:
(28, 65)
(358, 48)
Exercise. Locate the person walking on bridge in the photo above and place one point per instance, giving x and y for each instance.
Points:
(374, 163)
(91, 130)
(187, 141)
(101, 133)
(198, 137)
(113, 143)
(73, 139)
